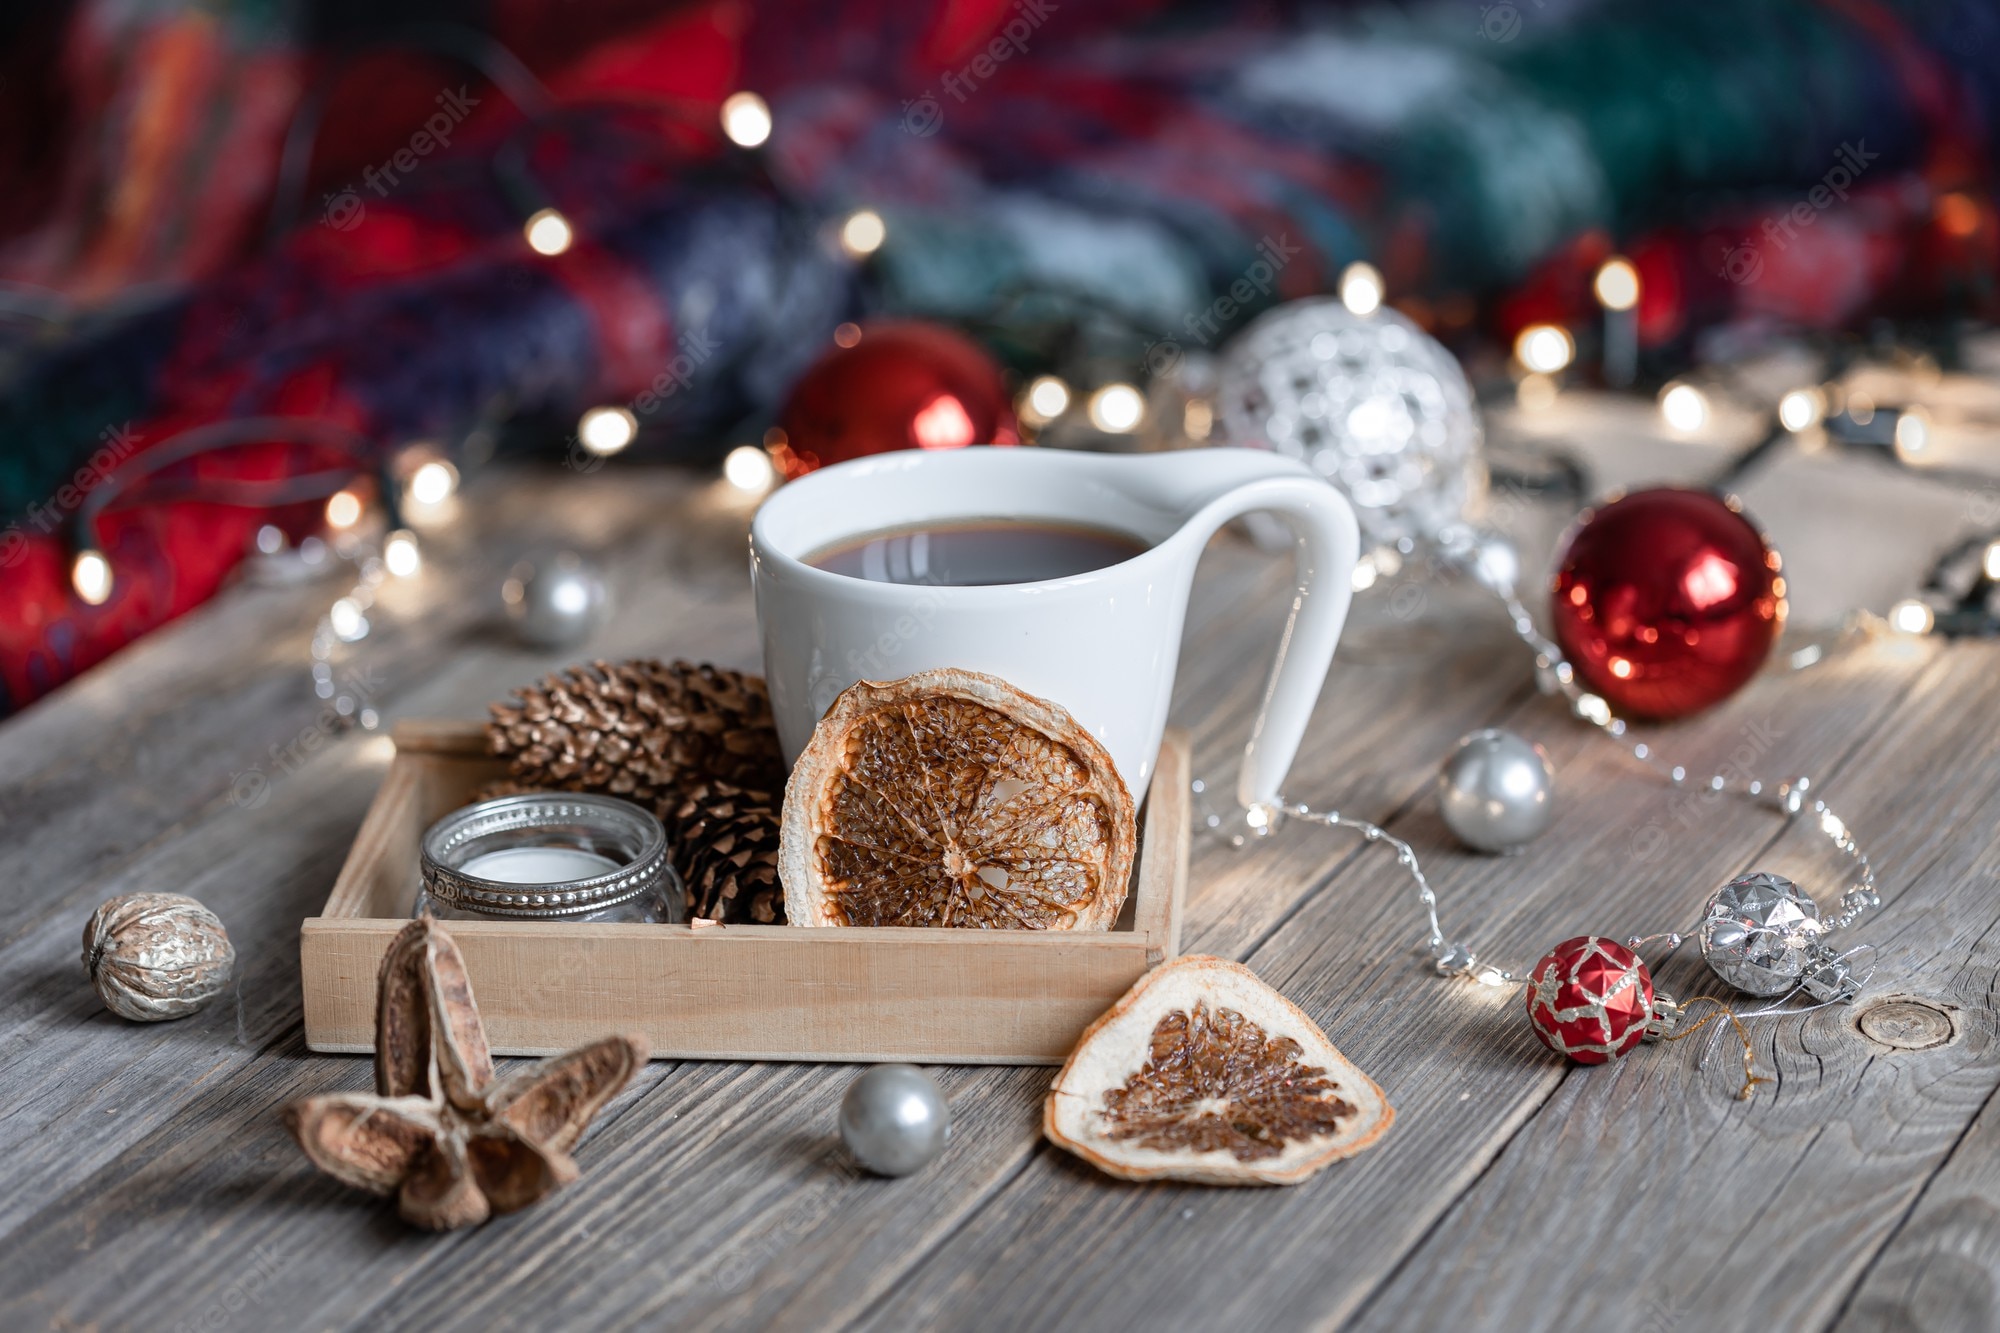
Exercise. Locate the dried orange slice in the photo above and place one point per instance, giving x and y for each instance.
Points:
(1202, 1072)
(949, 798)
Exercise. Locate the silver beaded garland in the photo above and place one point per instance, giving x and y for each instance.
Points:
(1497, 791)
(1371, 402)
(555, 601)
(894, 1120)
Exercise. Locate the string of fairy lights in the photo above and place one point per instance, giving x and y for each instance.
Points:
(421, 479)
(1903, 432)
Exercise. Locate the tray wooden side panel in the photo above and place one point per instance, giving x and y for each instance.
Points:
(734, 992)
(1166, 828)
(748, 993)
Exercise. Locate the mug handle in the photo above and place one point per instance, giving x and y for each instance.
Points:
(1328, 544)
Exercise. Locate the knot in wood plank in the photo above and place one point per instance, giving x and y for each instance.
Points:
(1908, 1024)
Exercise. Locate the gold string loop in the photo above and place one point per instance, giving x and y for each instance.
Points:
(1751, 1078)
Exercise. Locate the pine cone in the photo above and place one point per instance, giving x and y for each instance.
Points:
(642, 730)
(725, 844)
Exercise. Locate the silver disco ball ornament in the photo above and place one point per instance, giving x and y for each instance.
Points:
(1371, 402)
(1758, 931)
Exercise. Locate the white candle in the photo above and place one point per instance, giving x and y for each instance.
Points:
(539, 865)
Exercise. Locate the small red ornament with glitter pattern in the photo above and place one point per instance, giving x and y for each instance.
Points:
(1590, 999)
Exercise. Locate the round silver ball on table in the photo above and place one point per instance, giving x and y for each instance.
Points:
(1497, 791)
(894, 1120)
(555, 601)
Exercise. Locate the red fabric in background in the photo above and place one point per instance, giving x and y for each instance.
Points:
(161, 161)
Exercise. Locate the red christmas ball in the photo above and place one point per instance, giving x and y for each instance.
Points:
(900, 385)
(1667, 601)
(1590, 999)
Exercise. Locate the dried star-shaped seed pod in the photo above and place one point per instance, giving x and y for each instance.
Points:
(1201, 1072)
(454, 1144)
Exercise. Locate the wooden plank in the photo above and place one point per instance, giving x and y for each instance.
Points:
(141, 1245)
(80, 1087)
(1717, 1213)
(1068, 1246)
(1939, 1270)
(730, 1158)
(111, 786)
(722, 1201)
(125, 1098)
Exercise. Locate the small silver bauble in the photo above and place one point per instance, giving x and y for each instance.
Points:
(156, 955)
(555, 601)
(1756, 931)
(1497, 791)
(894, 1120)
(1372, 402)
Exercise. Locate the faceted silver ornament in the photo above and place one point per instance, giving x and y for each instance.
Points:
(1756, 931)
(1497, 791)
(1371, 402)
(894, 1120)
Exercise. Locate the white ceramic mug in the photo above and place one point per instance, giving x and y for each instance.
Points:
(1103, 644)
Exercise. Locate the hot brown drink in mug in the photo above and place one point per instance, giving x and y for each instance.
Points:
(972, 553)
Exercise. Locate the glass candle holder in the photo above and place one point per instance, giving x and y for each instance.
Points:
(558, 856)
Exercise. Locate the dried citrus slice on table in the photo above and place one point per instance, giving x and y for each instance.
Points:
(1201, 1072)
(950, 798)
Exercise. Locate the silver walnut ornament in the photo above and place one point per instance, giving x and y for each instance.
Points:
(1757, 932)
(154, 956)
(1370, 402)
(1497, 791)
(555, 601)
(894, 1120)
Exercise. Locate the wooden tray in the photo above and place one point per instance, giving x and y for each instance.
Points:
(734, 992)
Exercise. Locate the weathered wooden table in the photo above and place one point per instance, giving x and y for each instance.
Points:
(151, 1186)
